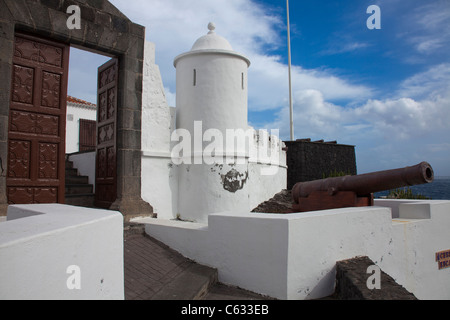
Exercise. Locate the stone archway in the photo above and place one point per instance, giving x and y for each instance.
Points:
(104, 29)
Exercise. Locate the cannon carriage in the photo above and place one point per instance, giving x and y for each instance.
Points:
(358, 190)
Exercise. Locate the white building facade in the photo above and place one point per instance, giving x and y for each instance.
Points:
(77, 110)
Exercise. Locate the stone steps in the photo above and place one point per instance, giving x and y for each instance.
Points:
(193, 282)
(73, 179)
(81, 200)
(78, 191)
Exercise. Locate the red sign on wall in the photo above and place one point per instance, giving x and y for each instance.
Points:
(443, 259)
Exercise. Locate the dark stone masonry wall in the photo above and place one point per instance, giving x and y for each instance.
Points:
(311, 160)
(351, 283)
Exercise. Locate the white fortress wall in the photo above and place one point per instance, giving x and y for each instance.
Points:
(159, 176)
(267, 167)
(224, 164)
(419, 232)
(293, 256)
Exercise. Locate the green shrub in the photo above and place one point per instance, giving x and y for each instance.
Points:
(405, 193)
(335, 173)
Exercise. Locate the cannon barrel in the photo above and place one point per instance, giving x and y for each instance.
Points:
(365, 184)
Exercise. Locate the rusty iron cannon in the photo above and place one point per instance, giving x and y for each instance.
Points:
(358, 190)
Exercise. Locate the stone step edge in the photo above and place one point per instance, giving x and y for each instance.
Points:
(192, 284)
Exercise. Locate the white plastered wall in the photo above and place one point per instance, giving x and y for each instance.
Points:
(419, 232)
(159, 176)
(74, 114)
(293, 256)
(38, 243)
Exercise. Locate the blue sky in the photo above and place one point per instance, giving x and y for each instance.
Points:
(386, 91)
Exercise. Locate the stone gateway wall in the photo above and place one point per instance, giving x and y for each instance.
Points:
(311, 160)
(103, 29)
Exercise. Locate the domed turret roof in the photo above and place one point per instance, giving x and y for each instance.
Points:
(211, 41)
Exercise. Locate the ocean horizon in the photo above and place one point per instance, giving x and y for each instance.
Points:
(439, 189)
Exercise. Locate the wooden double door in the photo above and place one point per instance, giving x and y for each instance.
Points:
(106, 161)
(37, 118)
(37, 124)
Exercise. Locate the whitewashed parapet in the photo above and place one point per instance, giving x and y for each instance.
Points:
(267, 148)
(60, 252)
(293, 256)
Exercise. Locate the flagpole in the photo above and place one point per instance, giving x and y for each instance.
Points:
(291, 112)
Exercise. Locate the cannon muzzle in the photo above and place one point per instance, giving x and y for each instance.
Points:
(360, 187)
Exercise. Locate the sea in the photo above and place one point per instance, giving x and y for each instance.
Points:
(439, 189)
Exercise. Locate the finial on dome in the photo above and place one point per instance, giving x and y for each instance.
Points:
(211, 27)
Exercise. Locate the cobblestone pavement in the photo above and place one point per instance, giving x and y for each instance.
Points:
(149, 266)
(152, 271)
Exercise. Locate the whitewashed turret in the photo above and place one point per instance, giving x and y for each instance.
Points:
(212, 84)
(212, 93)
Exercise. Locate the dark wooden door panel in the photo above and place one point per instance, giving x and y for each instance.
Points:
(106, 171)
(88, 135)
(36, 131)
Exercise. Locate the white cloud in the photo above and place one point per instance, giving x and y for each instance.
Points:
(396, 119)
(170, 97)
(425, 45)
(382, 129)
(393, 132)
(175, 25)
(269, 86)
(439, 147)
(345, 47)
(428, 29)
(250, 28)
(433, 81)
(313, 117)
(83, 74)
(387, 133)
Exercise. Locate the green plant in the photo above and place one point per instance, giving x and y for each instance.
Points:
(405, 193)
(335, 173)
